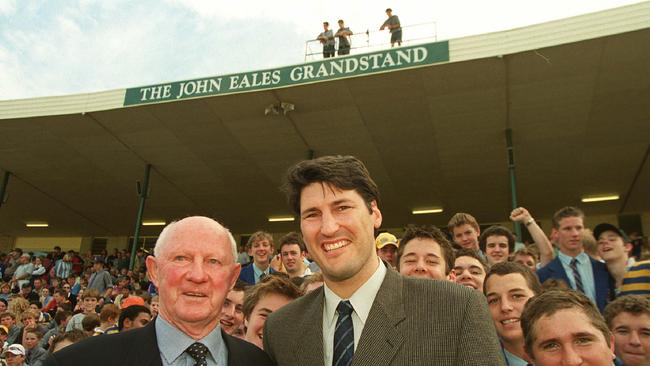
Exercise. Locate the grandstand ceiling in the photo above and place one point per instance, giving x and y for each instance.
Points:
(431, 136)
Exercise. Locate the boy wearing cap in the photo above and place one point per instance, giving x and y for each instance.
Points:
(387, 245)
(614, 248)
(15, 355)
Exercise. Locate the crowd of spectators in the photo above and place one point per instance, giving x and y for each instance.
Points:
(549, 300)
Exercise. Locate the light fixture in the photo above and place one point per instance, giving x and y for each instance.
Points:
(154, 223)
(37, 224)
(424, 211)
(611, 197)
(281, 218)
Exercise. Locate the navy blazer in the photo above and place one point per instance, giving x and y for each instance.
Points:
(247, 274)
(604, 282)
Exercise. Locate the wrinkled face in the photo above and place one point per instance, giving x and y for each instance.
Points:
(140, 321)
(466, 236)
(569, 235)
(194, 271)
(422, 257)
(255, 325)
(611, 246)
(30, 340)
(89, 304)
(232, 315)
(14, 360)
(506, 297)
(338, 229)
(568, 338)
(469, 272)
(388, 253)
(496, 249)
(632, 338)
(526, 260)
(262, 252)
(292, 257)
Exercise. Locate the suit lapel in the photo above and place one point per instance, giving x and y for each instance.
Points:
(309, 349)
(381, 337)
(558, 268)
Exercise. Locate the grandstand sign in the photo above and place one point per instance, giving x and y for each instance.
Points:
(328, 69)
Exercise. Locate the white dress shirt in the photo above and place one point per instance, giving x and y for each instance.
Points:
(361, 301)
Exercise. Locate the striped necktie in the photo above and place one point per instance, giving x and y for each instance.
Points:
(343, 335)
(576, 275)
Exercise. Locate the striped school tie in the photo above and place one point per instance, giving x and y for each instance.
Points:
(576, 275)
(343, 335)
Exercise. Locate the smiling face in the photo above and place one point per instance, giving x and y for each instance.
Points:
(611, 246)
(568, 338)
(232, 315)
(496, 249)
(338, 229)
(469, 272)
(632, 338)
(506, 297)
(255, 325)
(422, 257)
(262, 252)
(194, 270)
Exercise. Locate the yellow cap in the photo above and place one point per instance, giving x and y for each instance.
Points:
(384, 239)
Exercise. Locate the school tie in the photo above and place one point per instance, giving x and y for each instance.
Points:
(343, 335)
(199, 352)
(576, 275)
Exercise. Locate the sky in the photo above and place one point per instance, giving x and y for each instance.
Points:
(50, 48)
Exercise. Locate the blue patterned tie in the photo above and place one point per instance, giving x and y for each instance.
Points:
(343, 335)
(576, 275)
(199, 352)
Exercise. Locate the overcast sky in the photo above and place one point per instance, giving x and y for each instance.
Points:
(76, 46)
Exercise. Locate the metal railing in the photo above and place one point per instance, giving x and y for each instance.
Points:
(368, 41)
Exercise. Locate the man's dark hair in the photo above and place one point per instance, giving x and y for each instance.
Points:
(433, 233)
(61, 316)
(505, 268)
(274, 284)
(131, 313)
(73, 336)
(90, 322)
(326, 23)
(550, 302)
(389, 9)
(292, 238)
(634, 304)
(341, 172)
(240, 286)
(565, 212)
(497, 230)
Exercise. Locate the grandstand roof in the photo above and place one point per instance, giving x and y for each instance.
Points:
(575, 93)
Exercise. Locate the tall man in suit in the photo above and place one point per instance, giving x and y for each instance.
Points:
(193, 267)
(366, 313)
(572, 265)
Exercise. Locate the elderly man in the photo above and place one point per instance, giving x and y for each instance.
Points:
(194, 267)
(366, 313)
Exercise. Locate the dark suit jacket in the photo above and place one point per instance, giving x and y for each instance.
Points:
(604, 282)
(247, 274)
(411, 322)
(138, 347)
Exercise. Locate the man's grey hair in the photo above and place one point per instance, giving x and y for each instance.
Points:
(160, 242)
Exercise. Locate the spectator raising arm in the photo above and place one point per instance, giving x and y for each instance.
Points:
(522, 216)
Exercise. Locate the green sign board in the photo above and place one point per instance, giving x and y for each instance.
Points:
(328, 69)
